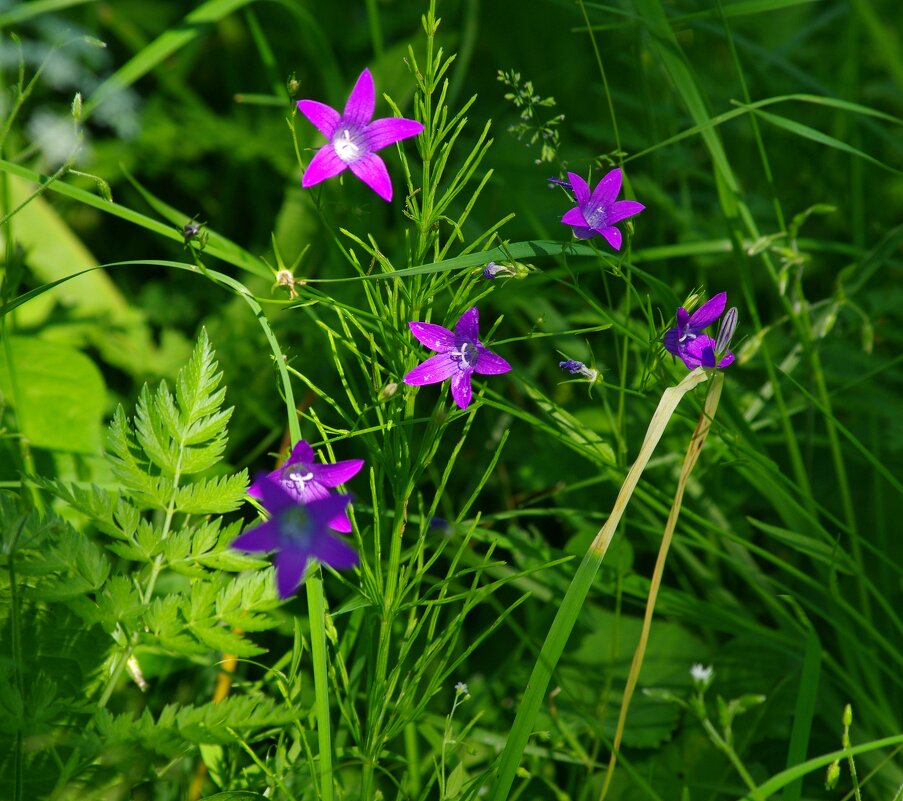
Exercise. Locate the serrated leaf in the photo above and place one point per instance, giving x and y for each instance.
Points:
(118, 603)
(224, 640)
(150, 431)
(213, 496)
(195, 550)
(132, 471)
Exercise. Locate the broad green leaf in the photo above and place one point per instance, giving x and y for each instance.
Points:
(57, 392)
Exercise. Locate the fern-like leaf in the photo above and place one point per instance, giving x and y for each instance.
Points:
(213, 496)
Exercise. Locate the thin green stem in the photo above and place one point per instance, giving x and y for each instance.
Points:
(729, 752)
(611, 107)
(16, 643)
(317, 613)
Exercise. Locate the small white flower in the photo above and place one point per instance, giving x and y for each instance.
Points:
(701, 674)
(461, 688)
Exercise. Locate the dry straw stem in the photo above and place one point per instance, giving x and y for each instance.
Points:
(567, 614)
(690, 459)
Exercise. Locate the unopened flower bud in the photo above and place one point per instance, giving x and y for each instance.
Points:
(387, 392)
(848, 716)
(832, 775)
(77, 106)
(726, 331)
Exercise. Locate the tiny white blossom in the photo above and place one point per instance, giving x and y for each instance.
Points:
(702, 674)
(461, 688)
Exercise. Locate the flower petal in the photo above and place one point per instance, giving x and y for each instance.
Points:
(710, 311)
(324, 117)
(290, 566)
(302, 452)
(683, 321)
(325, 164)
(468, 325)
(330, 550)
(580, 187)
(489, 363)
(323, 510)
(371, 169)
(331, 475)
(612, 236)
(305, 491)
(671, 341)
(389, 130)
(692, 352)
(265, 537)
(341, 523)
(435, 369)
(254, 490)
(361, 101)
(273, 494)
(460, 387)
(622, 210)
(574, 217)
(435, 337)
(585, 233)
(607, 189)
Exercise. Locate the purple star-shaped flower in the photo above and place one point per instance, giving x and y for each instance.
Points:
(598, 212)
(307, 482)
(687, 341)
(460, 355)
(299, 532)
(354, 139)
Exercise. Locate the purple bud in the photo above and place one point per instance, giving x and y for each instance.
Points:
(726, 331)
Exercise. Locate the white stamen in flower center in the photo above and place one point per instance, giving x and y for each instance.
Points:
(346, 148)
(300, 479)
(466, 355)
(596, 217)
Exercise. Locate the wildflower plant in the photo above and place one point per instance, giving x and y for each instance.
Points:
(354, 137)
(597, 212)
(460, 354)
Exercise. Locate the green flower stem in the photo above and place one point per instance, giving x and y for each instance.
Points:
(16, 644)
(316, 612)
(576, 594)
(728, 750)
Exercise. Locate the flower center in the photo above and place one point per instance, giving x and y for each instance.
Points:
(296, 522)
(465, 355)
(596, 217)
(298, 478)
(347, 145)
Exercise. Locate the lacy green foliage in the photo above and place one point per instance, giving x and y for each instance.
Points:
(147, 574)
(531, 126)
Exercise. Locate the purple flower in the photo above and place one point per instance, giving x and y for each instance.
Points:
(598, 212)
(299, 532)
(574, 368)
(689, 343)
(460, 355)
(493, 270)
(305, 481)
(354, 139)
